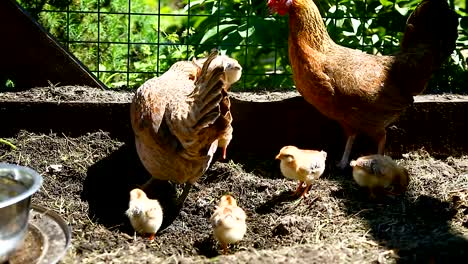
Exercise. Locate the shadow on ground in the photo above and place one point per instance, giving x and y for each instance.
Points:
(109, 181)
(418, 231)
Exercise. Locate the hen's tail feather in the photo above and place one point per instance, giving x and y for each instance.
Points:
(208, 99)
(207, 94)
(199, 125)
(203, 76)
(206, 121)
(210, 102)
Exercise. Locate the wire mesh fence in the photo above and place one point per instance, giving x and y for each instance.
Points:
(125, 42)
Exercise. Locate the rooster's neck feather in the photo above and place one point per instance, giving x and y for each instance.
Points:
(307, 25)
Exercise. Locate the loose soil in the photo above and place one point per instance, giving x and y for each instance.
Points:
(87, 180)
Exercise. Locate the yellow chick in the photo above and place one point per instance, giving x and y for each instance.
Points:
(303, 165)
(145, 214)
(228, 221)
(379, 172)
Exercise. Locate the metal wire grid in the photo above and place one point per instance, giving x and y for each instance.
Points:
(126, 70)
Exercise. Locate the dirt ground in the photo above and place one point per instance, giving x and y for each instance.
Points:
(337, 223)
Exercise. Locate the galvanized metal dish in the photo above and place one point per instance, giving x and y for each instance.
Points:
(47, 239)
(17, 185)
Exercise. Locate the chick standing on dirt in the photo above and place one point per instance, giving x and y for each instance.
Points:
(145, 214)
(303, 165)
(228, 221)
(378, 172)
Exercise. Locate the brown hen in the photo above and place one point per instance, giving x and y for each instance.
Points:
(365, 93)
(177, 119)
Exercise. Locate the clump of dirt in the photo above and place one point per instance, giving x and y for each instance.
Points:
(87, 180)
(68, 94)
(89, 94)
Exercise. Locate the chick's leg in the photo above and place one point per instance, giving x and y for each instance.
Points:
(298, 189)
(225, 248)
(305, 193)
(345, 158)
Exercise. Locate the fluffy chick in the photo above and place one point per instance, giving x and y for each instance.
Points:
(145, 214)
(380, 173)
(303, 165)
(228, 221)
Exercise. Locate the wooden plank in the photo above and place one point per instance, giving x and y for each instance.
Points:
(31, 57)
(260, 127)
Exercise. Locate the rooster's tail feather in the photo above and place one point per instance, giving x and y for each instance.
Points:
(431, 27)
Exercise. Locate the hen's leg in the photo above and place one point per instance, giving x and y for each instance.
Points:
(372, 195)
(224, 152)
(345, 158)
(381, 144)
(183, 196)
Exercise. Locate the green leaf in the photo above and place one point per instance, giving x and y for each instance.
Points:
(213, 32)
(386, 3)
(402, 10)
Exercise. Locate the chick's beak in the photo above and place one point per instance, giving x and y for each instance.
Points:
(278, 156)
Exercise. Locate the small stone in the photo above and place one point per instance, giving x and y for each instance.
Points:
(280, 230)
